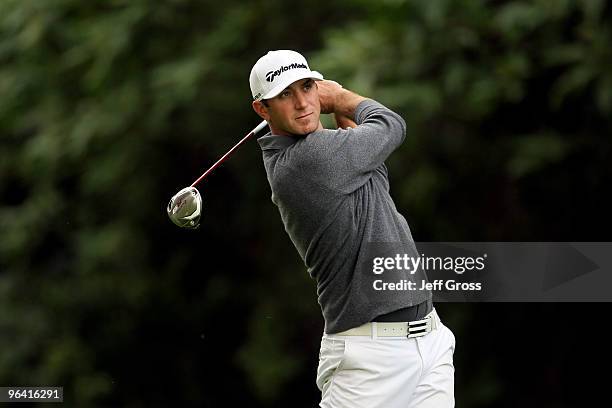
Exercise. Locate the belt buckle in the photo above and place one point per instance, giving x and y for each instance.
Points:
(419, 328)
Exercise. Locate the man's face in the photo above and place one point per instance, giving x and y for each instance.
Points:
(295, 111)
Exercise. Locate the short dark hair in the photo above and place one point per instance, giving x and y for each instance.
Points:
(265, 103)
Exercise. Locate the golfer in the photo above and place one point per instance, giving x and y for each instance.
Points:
(383, 343)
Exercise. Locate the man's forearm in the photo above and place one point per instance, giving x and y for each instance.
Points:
(345, 104)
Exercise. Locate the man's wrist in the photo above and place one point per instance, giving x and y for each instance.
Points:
(346, 103)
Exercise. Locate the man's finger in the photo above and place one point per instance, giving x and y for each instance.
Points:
(344, 122)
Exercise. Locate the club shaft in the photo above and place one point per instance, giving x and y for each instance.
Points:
(229, 153)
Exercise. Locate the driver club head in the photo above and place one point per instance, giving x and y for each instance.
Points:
(185, 208)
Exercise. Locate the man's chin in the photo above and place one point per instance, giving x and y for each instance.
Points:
(306, 130)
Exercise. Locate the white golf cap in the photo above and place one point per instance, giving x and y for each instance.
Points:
(277, 70)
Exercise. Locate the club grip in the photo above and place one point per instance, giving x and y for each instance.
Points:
(262, 125)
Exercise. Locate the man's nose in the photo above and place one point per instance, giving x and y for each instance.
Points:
(300, 100)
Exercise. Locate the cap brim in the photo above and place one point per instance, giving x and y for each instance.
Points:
(291, 78)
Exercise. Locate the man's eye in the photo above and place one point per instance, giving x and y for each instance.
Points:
(284, 94)
(308, 86)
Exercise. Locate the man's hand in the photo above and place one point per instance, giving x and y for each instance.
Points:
(344, 122)
(328, 93)
(339, 101)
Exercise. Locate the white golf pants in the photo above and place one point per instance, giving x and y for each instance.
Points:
(387, 372)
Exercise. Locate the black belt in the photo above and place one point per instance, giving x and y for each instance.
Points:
(407, 314)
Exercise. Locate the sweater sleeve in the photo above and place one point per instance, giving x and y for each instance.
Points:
(344, 159)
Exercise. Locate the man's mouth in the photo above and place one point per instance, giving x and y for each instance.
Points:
(303, 116)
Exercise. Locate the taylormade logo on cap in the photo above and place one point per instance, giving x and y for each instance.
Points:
(270, 75)
(277, 70)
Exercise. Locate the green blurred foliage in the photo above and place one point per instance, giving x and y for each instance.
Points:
(109, 107)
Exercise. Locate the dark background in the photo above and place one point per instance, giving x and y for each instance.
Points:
(107, 108)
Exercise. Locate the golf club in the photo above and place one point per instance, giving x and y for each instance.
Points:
(185, 207)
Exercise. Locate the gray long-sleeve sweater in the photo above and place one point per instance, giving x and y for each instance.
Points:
(332, 190)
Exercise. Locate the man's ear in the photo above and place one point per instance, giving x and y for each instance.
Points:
(261, 110)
